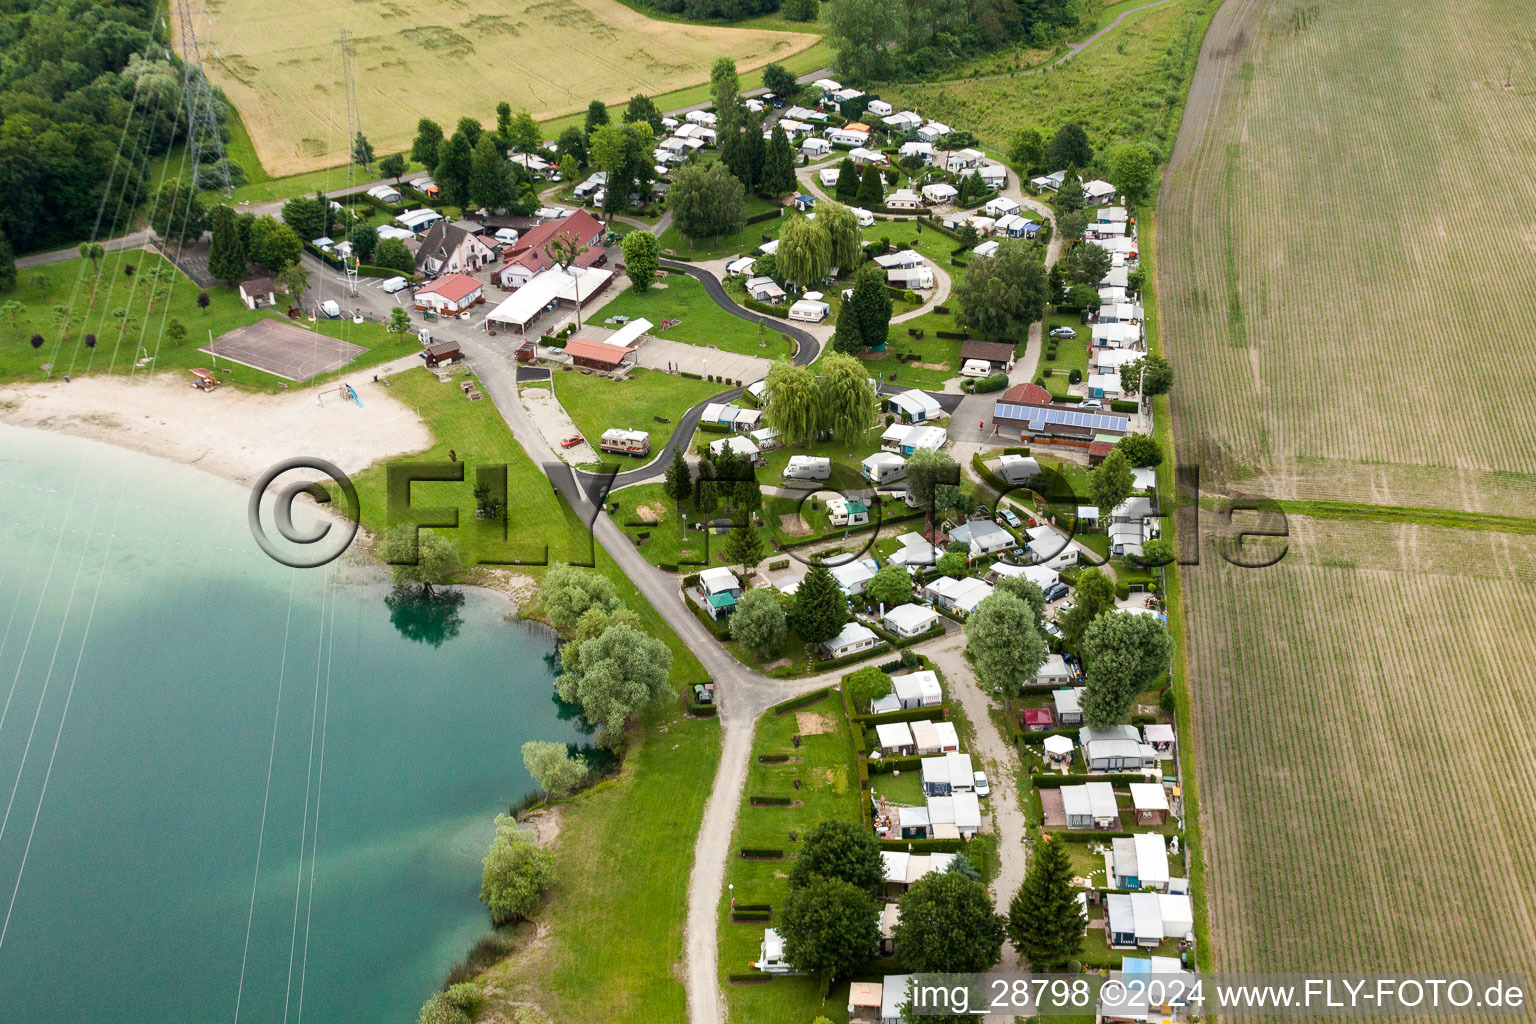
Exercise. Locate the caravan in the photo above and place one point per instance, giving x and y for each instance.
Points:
(807, 467)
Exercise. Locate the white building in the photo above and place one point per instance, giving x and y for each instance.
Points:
(908, 620)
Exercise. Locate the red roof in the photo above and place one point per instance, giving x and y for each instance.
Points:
(1027, 394)
(1100, 448)
(454, 287)
(530, 247)
(596, 351)
(1038, 716)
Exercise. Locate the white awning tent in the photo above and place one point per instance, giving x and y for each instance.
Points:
(736, 443)
(533, 299)
(629, 335)
(1060, 746)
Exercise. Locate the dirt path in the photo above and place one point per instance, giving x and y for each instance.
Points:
(1000, 761)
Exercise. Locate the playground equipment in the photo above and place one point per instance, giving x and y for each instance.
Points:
(347, 392)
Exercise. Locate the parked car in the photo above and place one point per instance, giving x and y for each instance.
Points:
(1053, 629)
(1092, 403)
(1063, 332)
(980, 784)
(1009, 517)
(572, 441)
(1056, 591)
(394, 284)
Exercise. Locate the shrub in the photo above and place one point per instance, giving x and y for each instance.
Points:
(1075, 377)
(996, 382)
(1167, 701)
(438, 1010)
(1121, 405)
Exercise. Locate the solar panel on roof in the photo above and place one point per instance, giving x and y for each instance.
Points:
(1038, 416)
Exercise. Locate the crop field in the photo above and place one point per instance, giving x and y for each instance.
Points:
(1127, 85)
(1337, 297)
(548, 56)
(1369, 700)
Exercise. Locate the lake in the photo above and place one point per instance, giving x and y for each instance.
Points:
(233, 790)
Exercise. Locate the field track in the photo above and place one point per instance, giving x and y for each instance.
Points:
(1347, 276)
(548, 56)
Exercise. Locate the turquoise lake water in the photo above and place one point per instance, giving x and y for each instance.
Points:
(229, 790)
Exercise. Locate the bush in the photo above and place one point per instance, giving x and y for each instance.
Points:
(953, 335)
(996, 382)
(773, 214)
(1167, 701)
(770, 801)
(1122, 590)
(438, 1010)
(1075, 377)
(1121, 405)
(761, 853)
(1057, 781)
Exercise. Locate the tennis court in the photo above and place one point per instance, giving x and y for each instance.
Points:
(284, 349)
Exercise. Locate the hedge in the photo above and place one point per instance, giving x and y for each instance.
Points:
(887, 765)
(848, 659)
(1069, 398)
(690, 375)
(753, 853)
(1016, 450)
(939, 712)
(770, 801)
(720, 632)
(1037, 738)
(1057, 781)
(763, 307)
(954, 335)
(753, 906)
(805, 700)
(703, 710)
(715, 428)
(748, 916)
(749, 979)
(773, 214)
(1124, 406)
(925, 845)
(988, 477)
(907, 641)
(996, 382)
(369, 270)
(1088, 835)
(772, 758)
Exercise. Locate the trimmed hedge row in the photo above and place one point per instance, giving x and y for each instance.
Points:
(769, 801)
(750, 916)
(848, 659)
(953, 335)
(773, 214)
(1087, 835)
(763, 307)
(805, 700)
(987, 385)
(1037, 739)
(720, 632)
(939, 712)
(758, 853)
(1120, 405)
(703, 710)
(1057, 781)
(715, 428)
(924, 845)
(887, 765)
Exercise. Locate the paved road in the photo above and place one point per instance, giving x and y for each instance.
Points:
(807, 347)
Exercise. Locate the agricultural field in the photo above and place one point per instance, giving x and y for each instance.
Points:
(1127, 86)
(292, 100)
(1369, 700)
(1341, 334)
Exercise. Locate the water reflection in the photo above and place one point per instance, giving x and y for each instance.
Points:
(426, 616)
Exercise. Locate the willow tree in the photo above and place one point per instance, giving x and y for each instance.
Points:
(842, 228)
(845, 396)
(791, 403)
(805, 252)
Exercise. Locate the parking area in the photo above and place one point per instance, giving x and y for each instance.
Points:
(284, 349)
(658, 354)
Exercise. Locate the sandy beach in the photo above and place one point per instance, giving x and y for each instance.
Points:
(234, 434)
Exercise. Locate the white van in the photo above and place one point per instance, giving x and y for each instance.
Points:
(508, 235)
(807, 467)
(394, 284)
(331, 309)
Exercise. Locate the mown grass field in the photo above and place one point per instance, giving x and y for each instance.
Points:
(828, 788)
(1369, 699)
(743, 242)
(597, 403)
(131, 317)
(548, 56)
(1128, 85)
(701, 322)
(1344, 335)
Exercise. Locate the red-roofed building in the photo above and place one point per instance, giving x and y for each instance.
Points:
(1027, 394)
(529, 254)
(451, 295)
(1098, 451)
(1037, 719)
(596, 355)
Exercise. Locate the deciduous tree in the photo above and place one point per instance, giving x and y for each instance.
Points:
(804, 255)
(842, 850)
(393, 166)
(1069, 147)
(553, 768)
(523, 133)
(1111, 482)
(759, 623)
(365, 240)
(1000, 297)
(1087, 263)
(1130, 171)
(455, 163)
(425, 147)
(859, 32)
(724, 86)
(948, 925)
(516, 873)
(420, 559)
(891, 586)
(707, 201)
(846, 398)
(642, 108)
(1026, 150)
(614, 676)
(567, 593)
(780, 81)
(867, 685)
(362, 151)
(830, 928)
(842, 228)
(597, 116)
(790, 402)
(1124, 654)
(1140, 450)
(177, 214)
(642, 258)
(1093, 594)
(1003, 644)
(274, 245)
(490, 175)
(391, 254)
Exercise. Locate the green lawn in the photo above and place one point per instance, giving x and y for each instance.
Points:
(828, 789)
(1070, 354)
(903, 788)
(701, 322)
(598, 403)
(845, 459)
(741, 243)
(123, 341)
(665, 542)
(612, 947)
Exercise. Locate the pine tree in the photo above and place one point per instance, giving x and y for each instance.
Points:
(779, 165)
(226, 256)
(679, 480)
(743, 546)
(820, 610)
(1045, 921)
(847, 181)
(871, 187)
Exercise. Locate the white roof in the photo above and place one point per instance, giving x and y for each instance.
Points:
(859, 153)
(916, 146)
(1109, 382)
(1097, 187)
(917, 401)
(909, 617)
(627, 334)
(1158, 733)
(827, 85)
(620, 434)
(940, 190)
(1001, 205)
(1151, 858)
(852, 633)
(719, 578)
(1147, 915)
(545, 287)
(1068, 701)
(1178, 915)
(1040, 575)
(1058, 745)
(741, 265)
(1054, 665)
(1118, 277)
(895, 864)
(1113, 214)
(946, 734)
(1118, 331)
(763, 435)
(882, 459)
(1149, 796)
(809, 306)
(736, 443)
(904, 258)
(923, 686)
(901, 195)
(1095, 800)
(893, 996)
(851, 574)
(893, 734)
(926, 735)
(928, 437)
(769, 247)
(987, 249)
(1114, 358)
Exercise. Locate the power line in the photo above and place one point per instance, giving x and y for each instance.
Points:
(204, 139)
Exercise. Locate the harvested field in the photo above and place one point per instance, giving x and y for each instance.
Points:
(548, 56)
(1337, 297)
(1369, 700)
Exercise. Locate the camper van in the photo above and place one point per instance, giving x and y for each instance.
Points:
(807, 467)
(625, 442)
(882, 467)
